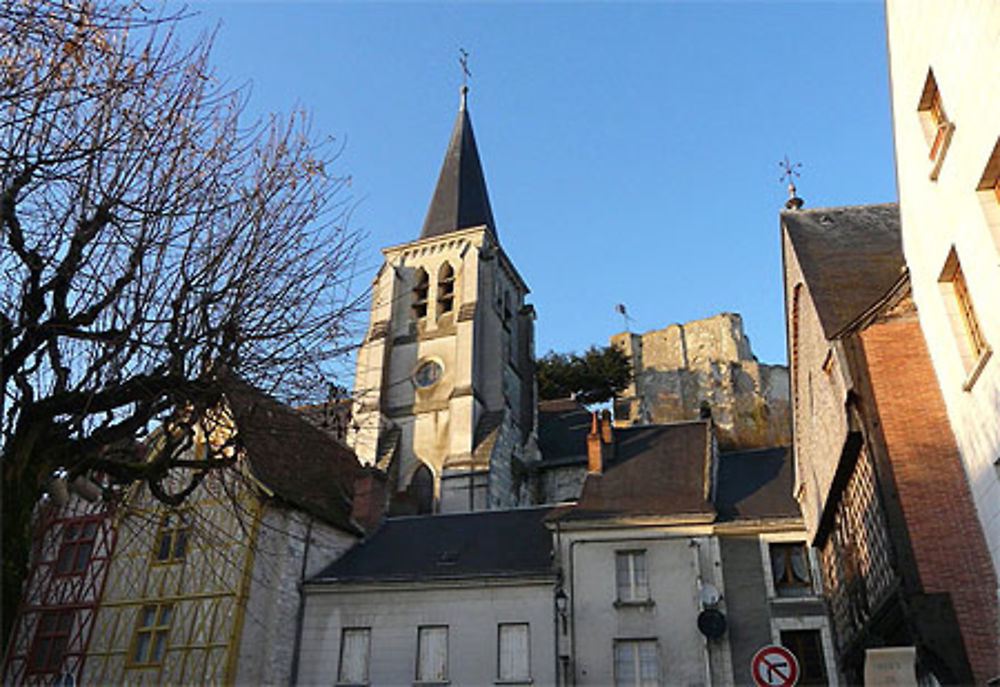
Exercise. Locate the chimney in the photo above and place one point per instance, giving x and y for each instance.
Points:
(598, 442)
(606, 426)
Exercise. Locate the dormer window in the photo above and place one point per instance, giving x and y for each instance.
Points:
(937, 128)
(446, 289)
(421, 284)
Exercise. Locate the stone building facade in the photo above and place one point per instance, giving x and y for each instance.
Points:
(444, 384)
(683, 367)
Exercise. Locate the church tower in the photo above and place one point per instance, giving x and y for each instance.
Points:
(444, 384)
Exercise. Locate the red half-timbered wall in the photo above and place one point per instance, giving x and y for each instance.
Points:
(72, 545)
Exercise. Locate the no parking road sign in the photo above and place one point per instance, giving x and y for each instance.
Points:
(774, 666)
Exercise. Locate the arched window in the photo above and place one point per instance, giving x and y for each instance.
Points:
(446, 289)
(420, 285)
(422, 490)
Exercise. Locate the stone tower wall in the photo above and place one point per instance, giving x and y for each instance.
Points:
(682, 366)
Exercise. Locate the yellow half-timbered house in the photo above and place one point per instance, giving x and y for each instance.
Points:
(208, 592)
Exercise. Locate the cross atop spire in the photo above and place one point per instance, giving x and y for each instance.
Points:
(460, 200)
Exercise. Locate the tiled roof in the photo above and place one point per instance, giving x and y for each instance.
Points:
(756, 484)
(655, 470)
(300, 463)
(850, 257)
(562, 430)
(499, 543)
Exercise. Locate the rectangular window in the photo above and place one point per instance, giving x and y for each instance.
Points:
(172, 537)
(432, 654)
(76, 546)
(807, 648)
(355, 653)
(937, 128)
(975, 351)
(630, 576)
(513, 653)
(51, 638)
(636, 664)
(790, 569)
(151, 633)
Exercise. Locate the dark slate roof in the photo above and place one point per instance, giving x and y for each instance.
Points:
(500, 543)
(656, 470)
(460, 200)
(562, 430)
(850, 256)
(300, 463)
(756, 484)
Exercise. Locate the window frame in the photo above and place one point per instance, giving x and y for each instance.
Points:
(70, 547)
(937, 128)
(637, 643)
(156, 630)
(366, 662)
(419, 679)
(973, 348)
(819, 623)
(174, 533)
(639, 594)
(48, 636)
(521, 679)
(814, 587)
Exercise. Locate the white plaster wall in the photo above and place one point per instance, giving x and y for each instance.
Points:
(960, 41)
(471, 611)
(271, 615)
(671, 619)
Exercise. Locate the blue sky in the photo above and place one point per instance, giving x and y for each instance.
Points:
(630, 149)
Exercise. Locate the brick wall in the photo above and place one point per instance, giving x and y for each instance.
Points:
(945, 534)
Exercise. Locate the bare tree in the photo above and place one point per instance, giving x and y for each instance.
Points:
(150, 240)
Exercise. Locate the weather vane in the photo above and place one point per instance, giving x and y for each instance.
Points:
(463, 61)
(789, 171)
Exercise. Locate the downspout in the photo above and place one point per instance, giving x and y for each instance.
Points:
(301, 611)
(696, 550)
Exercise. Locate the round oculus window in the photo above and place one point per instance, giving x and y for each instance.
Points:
(427, 374)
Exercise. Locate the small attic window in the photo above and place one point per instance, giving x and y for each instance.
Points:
(936, 126)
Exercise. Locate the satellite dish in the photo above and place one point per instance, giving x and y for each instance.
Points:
(710, 595)
(712, 623)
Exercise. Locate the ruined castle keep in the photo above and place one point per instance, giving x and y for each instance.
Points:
(684, 369)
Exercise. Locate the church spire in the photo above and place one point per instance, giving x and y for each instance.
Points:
(460, 199)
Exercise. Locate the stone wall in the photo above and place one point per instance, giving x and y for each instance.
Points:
(681, 367)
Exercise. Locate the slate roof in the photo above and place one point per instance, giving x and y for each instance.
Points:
(850, 257)
(562, 431)
(460, 199)
(756, 484)
(655, 470)
(300, 463)
(499, 543)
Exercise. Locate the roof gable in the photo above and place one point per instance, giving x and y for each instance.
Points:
(850, 258)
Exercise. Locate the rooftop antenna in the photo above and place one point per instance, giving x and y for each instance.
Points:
(620, 309)
(789, 171)
(463, 62)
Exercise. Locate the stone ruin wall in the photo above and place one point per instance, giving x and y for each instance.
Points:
(682, 366)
